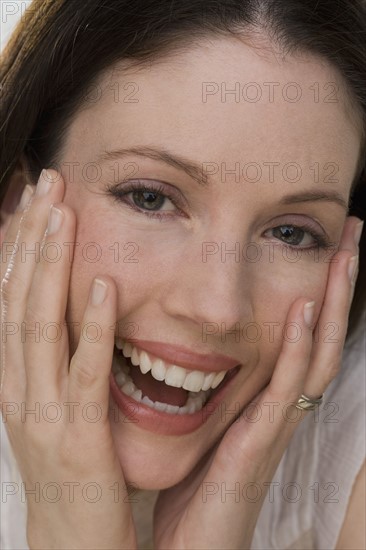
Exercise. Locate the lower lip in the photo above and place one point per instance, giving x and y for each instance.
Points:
(164, 423)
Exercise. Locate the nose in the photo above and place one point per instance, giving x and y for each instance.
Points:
(211, 286)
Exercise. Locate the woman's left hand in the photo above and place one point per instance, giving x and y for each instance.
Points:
(193, 513)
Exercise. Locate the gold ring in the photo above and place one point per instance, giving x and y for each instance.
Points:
(307, 404)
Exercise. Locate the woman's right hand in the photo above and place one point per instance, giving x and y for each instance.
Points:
(64, 450)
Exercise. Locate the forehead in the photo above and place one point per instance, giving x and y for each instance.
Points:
(227, 101)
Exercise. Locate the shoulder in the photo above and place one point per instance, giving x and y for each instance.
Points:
(353, 530)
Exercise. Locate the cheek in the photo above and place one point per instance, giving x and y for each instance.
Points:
(275, 289)
(93, 256)
(132, 257)
(272, 289)
(279, 285)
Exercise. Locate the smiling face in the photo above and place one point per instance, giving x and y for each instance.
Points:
(172, 259)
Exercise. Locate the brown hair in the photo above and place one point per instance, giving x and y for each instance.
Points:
(61, 46)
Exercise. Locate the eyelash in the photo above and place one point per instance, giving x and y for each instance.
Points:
(321, 242)
(119, 195)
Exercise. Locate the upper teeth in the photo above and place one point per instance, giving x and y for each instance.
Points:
(172, 375)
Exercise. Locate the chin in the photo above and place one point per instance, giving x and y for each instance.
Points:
(165, 409)
(154, 463)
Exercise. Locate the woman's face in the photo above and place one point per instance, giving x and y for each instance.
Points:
(209, 268)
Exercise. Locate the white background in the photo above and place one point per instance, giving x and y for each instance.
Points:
(11, 11)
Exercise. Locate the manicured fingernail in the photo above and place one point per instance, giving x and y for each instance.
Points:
(358, 233)
(352, 266)
(99, 292)
(44, 183)
(25, 198)
(309, 313)
(55, 219)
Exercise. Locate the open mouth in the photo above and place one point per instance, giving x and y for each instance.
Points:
(167, 388)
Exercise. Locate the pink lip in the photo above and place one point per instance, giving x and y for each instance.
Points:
(163, 423)
(184, 357)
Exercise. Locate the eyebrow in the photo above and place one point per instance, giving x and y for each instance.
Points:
(195, 171)
(313, 196)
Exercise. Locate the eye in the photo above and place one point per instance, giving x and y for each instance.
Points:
(151, 198)
(299, 236)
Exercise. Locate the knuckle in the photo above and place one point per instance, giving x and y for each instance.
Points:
(29, 223)
(83, 373)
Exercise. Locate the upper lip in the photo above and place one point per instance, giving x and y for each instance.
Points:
(184, 357)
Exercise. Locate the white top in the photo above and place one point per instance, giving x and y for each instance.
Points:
(306, 504)
(317, 472)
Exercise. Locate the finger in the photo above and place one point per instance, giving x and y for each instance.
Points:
(15, 386)
(20, 269)
(8, 235)
(331, 329)
(350, 240)
(25, 233)
(46, 340)
(275, 405)
(350, 235)
(357, 232)
(332, 325)
(91, 364)
(10, 228)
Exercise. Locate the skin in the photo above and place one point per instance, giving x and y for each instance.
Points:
(172, 308)
(176, 298)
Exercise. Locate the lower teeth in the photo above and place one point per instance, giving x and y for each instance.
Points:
(120, 369)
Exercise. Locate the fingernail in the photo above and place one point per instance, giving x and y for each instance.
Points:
(55, 219)
(25, 198)
(44, 183)
(358, 232)
(309, 313)
(99, 292)
(352, 266)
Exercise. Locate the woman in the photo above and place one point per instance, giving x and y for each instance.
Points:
(176, 292)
